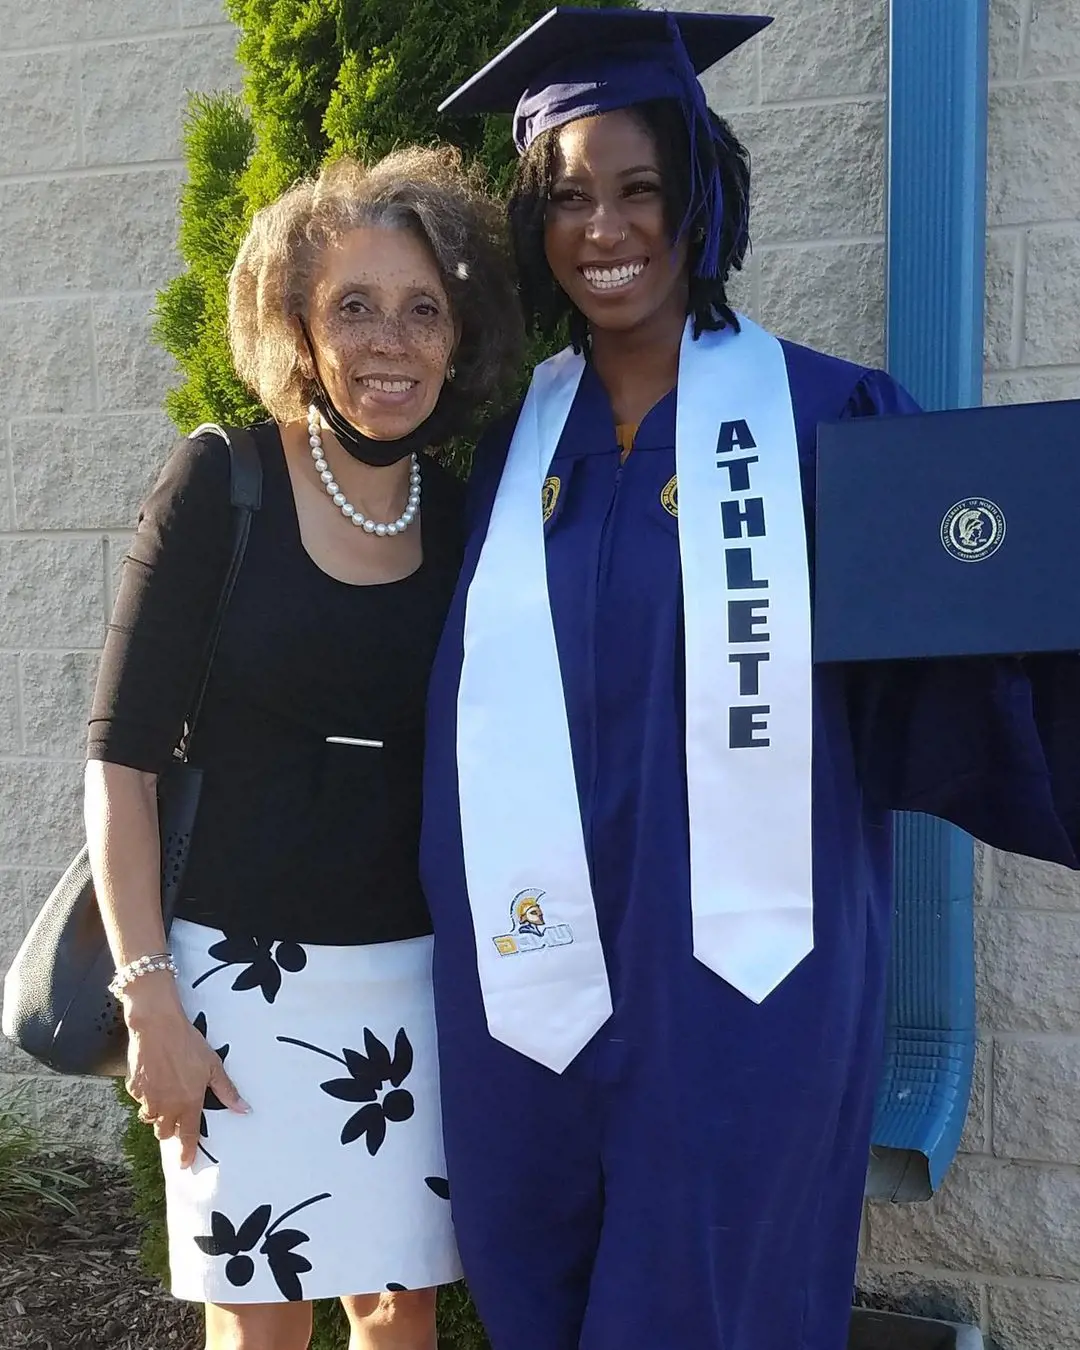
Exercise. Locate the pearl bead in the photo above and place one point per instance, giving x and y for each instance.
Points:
(333, 490)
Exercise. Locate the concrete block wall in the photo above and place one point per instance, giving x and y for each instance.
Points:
(807, 97)
(92, 97)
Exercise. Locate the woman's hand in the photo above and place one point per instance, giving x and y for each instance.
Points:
(170, 1065)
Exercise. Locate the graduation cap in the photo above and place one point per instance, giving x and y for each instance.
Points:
(581, 62)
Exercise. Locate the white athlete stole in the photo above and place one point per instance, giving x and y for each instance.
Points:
(742, 541)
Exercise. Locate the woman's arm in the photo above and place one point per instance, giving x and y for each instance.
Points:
(151, 663)
(170, 1064)
(125, 857)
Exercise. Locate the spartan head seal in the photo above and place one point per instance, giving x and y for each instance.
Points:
(529, 929)
(973, 529)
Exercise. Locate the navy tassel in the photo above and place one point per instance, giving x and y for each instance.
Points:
(707, 195)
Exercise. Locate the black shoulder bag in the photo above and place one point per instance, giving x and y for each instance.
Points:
(56, 1004)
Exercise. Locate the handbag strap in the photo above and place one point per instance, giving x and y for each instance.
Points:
(245, 496)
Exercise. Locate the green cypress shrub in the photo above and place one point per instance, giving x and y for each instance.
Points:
(321, 78)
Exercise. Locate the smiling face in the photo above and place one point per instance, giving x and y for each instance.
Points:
(380, 323)
(606, 237)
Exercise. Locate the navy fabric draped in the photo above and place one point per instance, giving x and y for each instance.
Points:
(693, 1181)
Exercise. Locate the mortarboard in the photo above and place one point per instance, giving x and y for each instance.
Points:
(581, 62)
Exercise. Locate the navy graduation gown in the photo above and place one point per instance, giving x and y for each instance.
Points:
(693, 1180)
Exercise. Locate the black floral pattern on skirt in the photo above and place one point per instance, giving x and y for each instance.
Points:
(278, 1246)
(263, 958)
(211, 1102)
(368, 1075)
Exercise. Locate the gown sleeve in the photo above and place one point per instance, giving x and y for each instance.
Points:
(991, 744)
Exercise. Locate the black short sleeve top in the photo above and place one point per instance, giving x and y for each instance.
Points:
(297, 837)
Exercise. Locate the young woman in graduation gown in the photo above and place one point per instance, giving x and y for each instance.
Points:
(656, 841)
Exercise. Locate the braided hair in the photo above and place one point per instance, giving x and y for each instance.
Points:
(545, 304)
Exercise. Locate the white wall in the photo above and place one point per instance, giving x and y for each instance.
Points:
(92, 96)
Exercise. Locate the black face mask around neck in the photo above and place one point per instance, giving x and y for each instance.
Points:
(377, 454)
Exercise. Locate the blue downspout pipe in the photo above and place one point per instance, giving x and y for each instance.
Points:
(936, 230)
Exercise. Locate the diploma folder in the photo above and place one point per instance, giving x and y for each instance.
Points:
(948, 534)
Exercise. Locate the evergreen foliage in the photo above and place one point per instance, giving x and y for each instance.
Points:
(321, 78)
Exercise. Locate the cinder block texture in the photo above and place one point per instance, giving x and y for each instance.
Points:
(10, 732)
(1025, 883)
(1029, 177)
(121, 18)
(47, 357)
(1052, 316)
(12, 931)
(1026, 971)
(194, 13)
(990, 1217)
(82, 1113)
(1002, 254)
(1037, 1100)
(1006, 26)
(798, 197)
(1020, 386)
(832, 298)
(12, 924)
(156, 76)
(919, 1295)
(820, 48)
(976, 1136)
(64, 22)
(1035, 1315)
(17, 1093)
(132, 370)
(41, 824)
(5, 481)
(107, 231)
(1053, 44)
(735, 82)
(97, 470)
(56, 691)
(51, 593)
(39, 102)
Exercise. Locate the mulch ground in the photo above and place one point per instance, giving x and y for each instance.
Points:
(73, 1282)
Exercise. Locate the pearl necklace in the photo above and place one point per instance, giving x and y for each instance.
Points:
(338, 497)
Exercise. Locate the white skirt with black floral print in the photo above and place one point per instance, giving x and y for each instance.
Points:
(335, 1183)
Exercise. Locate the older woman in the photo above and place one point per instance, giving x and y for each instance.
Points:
(370, 312)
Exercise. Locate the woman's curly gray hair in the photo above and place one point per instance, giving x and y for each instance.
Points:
(426, 191)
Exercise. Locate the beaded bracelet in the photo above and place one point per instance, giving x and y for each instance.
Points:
(142, 965)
